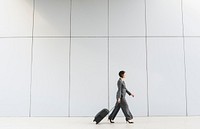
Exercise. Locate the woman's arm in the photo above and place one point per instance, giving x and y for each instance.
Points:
(119, 85)
(129, 93)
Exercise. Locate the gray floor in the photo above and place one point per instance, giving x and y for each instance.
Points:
(86, 123)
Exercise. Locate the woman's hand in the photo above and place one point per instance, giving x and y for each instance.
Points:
(118, 100)
(132, 95)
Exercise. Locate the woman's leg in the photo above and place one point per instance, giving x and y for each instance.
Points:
(125, 109)
(114, 112)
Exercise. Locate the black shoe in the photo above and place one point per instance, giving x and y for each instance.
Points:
(130, 122)
(111, 121)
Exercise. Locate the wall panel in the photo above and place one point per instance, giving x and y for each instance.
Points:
(127, 18)
(89, 17)
(15, 56)
(50, 81)
(191, 17)
(164, 18)
(52, 18)
(89, 76)
(166, 77)
(16, 17)
(192, 64)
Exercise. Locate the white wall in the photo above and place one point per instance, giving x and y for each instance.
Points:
(50, 77)
(89, 76)
(166, 76)
(89, 17)
(51, 18)
(15, 55)
(164, 18)
(126, 17)
(62, 58)
(193, 70)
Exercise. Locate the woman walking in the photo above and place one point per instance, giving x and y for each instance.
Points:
(121, 101)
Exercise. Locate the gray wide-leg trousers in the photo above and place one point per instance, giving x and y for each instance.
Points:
(125, 109)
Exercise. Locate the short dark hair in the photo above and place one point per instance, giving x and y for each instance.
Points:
(121, 73)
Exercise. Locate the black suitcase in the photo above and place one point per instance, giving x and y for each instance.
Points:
(104, 112)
